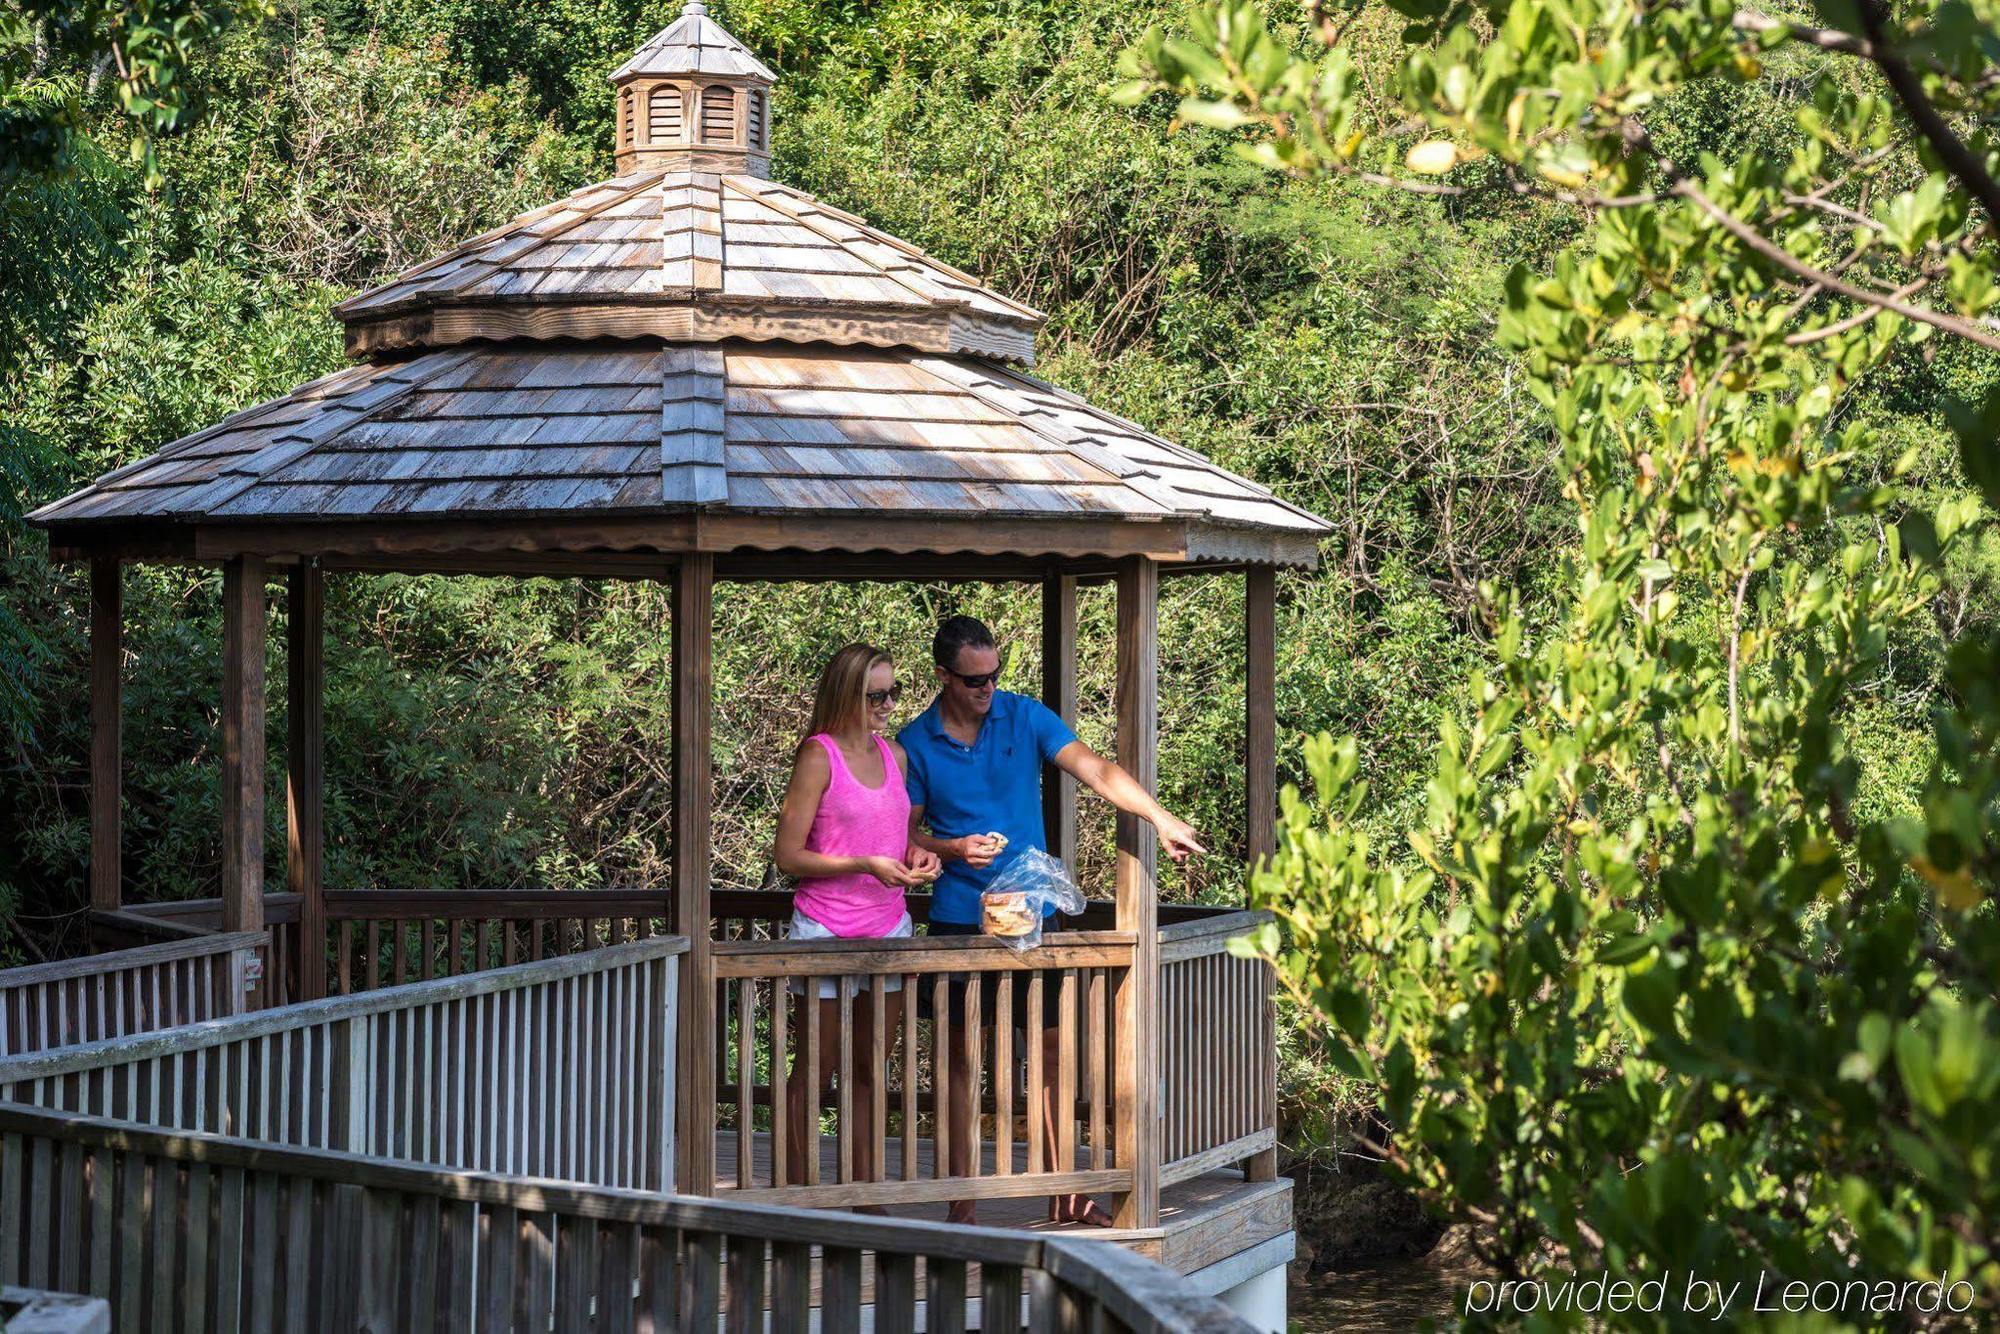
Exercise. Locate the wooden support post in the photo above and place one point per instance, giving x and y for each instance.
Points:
(1260, 781)
(1138, 901)
(107, 729)
(243, 744)
(693, 626)
(1059, 693)
(305, 665)
(1260, 723)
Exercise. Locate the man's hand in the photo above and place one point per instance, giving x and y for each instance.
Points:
(976, 850)
(1177, 837)
(923, 863)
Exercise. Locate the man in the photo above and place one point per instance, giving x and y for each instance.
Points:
(975, 770)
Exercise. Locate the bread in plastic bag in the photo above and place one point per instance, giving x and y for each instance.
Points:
(1012, 907)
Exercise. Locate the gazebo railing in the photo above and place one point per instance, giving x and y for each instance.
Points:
(769, 1042)
(1218, 1050)
(180, 981)
(561, 1068)
(196, 1232)
(1217, 1033)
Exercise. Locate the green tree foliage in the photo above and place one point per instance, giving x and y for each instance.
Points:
(1681, 969)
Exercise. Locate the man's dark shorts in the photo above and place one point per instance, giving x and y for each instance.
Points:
(989, 982)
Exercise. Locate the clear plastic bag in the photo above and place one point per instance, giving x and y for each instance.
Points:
(1011, 909)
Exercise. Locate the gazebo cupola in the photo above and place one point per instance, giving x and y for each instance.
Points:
(694, 98)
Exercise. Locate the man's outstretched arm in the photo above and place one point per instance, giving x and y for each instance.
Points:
(1109, 781)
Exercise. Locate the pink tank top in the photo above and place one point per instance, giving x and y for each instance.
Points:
(855, 820)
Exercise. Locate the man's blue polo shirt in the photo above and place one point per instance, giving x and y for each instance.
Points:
(992, 786)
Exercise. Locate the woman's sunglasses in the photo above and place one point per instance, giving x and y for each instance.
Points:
(877, 698)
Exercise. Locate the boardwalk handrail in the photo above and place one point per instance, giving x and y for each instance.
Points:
(69, 1001)
(368, 1242)
(559, 1068)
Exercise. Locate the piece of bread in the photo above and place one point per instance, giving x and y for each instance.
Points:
(1007, 915)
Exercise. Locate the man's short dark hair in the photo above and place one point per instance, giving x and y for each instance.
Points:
(959, 632)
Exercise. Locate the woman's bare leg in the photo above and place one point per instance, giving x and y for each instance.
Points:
(869, 1074)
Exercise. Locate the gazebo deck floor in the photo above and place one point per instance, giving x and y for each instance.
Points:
(1203, 1220)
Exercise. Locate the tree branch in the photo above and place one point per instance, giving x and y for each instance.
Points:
(1764, 246)
(1909, 90)
(1750, 20)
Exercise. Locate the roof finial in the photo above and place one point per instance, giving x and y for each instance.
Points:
(694, 9)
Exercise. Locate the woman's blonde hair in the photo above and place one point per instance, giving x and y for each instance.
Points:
(843, 688)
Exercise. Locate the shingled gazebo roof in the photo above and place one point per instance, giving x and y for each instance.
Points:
(711, 359)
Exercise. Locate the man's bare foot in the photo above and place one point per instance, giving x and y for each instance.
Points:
(962, 1211)
(1078, 1209)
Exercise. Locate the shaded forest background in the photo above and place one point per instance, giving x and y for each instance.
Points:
(1328, 338)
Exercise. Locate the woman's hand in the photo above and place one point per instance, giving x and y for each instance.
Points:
(890, 872)
(923, 863)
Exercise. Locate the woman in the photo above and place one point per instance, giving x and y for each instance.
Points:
(844, 833)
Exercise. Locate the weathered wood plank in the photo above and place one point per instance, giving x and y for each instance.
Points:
(1137, 1033)
(693, 798)
(243, 744)
(304, 814)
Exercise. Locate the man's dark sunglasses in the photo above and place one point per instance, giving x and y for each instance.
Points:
(877, 698)
(979, 682)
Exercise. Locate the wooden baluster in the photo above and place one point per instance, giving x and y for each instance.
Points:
(701, 1285)
(970, 1037)
(940, 1076)
(878, 1067)
(1037, 1098)
(746, 1098)
(782, 1173)
(1099, 1095)
(844, 1136)
(659, 1284)
(944, 1311)
(840, 1290)
(999, 1298)
(744, 1286)
(1065, 1087)
(427, 959)
(808, 1148)
(895, 1293)
(618, 1245)
(910, 1076)
(791, 1286)
(1003, 1076)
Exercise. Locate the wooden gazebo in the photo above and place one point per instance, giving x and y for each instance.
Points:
(688, 373)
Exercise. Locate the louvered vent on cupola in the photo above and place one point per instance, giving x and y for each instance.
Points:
(718, 116)
(665, 116)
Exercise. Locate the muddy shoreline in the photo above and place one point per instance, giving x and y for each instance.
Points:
(1369, 1257)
